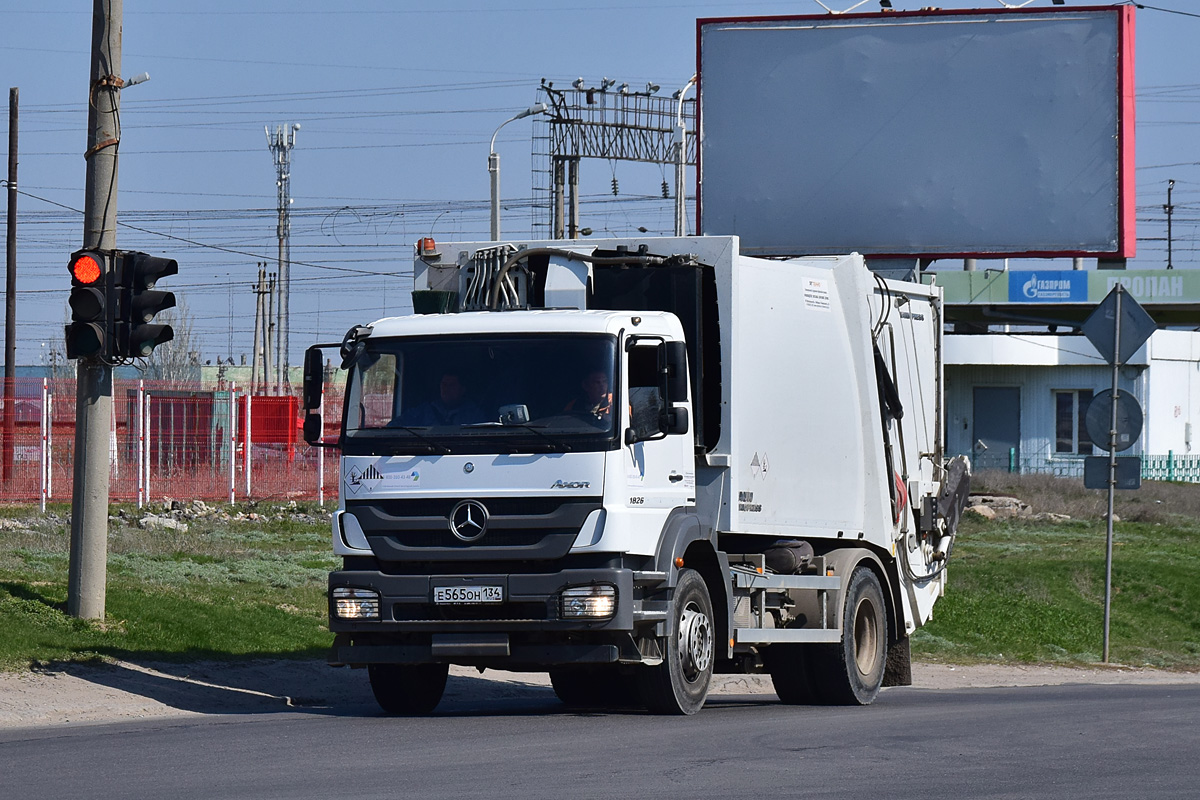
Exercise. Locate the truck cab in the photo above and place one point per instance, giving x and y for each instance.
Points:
(545, 474)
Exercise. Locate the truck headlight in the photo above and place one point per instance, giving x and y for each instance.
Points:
(358, 604)
(589, 602)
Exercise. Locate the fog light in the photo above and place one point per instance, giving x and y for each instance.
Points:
(589, 602)
(359, 604)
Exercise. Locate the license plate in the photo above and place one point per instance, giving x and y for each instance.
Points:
(454, 595)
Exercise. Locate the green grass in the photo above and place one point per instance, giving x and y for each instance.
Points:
(221, 590)
(1018, 591)
(1026, 591)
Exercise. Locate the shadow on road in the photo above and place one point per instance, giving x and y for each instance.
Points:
(141, 689)
(274, 686)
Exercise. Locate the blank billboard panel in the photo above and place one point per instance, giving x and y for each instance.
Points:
(934, 134)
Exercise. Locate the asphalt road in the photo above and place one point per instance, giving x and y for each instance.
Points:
(1057, 741)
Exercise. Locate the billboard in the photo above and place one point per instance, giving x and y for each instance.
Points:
(934, 134)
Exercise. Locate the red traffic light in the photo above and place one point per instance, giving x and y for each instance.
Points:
(85, 268)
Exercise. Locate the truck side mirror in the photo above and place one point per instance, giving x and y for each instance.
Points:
(312, 393)
(677, 376)
(314, 379)
(677, 420)
(313, 428)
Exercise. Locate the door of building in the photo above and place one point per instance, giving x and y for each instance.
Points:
(996, 416)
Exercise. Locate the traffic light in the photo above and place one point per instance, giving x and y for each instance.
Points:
(92, 297)
(137, 275)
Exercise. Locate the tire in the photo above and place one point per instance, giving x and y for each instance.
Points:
(408, 688)
(851, 672)
(679, 685)
(789, 670)
(594, 687)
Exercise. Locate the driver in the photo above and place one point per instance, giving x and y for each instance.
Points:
(594, 399)
(452, 406)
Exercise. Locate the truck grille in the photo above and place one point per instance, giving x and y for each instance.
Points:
(518, 528)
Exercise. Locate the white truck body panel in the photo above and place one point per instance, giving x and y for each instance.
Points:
(798, 382)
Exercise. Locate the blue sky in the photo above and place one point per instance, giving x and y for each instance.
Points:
(397, 102)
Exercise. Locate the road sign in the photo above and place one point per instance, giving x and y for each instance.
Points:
(1098, 419)
(1129, 472)
(1136, 326)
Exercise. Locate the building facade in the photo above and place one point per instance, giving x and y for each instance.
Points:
(1020, 377)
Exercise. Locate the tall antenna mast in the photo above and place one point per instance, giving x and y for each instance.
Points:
(281, 144)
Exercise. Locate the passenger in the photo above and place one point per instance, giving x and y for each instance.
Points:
(452, 407)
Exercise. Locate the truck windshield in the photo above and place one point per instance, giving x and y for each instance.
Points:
(474, 394)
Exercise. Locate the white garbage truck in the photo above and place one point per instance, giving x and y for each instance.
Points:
(634, 463)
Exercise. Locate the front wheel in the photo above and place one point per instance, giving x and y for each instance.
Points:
(593, 687)
(679, 685)
(408, 688)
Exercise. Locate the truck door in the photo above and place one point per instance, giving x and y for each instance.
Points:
(659, 467)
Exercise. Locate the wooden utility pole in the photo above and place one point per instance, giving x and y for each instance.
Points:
(93, 398)
(10, 296)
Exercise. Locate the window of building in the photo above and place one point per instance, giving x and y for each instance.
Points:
(1070, 430)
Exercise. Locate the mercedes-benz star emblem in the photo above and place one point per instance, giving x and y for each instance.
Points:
(468, 520)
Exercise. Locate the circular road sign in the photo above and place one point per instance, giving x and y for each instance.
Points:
(1099, 419)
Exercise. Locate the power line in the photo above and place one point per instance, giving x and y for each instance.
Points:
(1165, 10)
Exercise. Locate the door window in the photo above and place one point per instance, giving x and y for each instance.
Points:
(647, 407)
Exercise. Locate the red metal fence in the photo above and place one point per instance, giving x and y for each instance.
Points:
(167, 441)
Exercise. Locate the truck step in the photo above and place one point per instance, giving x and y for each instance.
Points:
(786, 635)
(748, 579)
(649, 578)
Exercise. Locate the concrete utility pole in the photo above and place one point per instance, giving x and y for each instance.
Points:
(270, 334)
(256, 369)
(10, 295)
(281, 145)
(93, 399)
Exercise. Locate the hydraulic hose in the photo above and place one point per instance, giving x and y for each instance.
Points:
(570, 255)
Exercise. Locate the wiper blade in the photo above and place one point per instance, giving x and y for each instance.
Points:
(529, 426)
(436, 447)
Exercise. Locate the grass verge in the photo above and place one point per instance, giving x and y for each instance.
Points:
(1033, 591)
(225, 588)
(1019, 590)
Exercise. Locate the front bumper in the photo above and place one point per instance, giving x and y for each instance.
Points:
(527, 628)
(531, 602)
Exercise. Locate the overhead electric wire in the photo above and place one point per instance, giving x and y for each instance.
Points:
(202, 244)
(1164, 10)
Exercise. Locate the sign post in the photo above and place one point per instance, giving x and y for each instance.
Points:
(1117, 328)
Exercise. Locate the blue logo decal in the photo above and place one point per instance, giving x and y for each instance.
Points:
(1047, 286)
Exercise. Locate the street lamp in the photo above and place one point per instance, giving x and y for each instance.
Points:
(494, 165)
(680, 142)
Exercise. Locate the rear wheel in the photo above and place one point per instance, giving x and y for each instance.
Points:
(789, 670)
(408, 688)
(594, 687)
(851, 672)
(679, 685)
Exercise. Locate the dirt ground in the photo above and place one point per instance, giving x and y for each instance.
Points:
(87, 694)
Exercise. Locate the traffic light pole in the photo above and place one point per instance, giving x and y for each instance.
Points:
(10, 294)
(93, 400)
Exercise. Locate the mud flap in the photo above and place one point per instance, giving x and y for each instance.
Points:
(898, 669)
